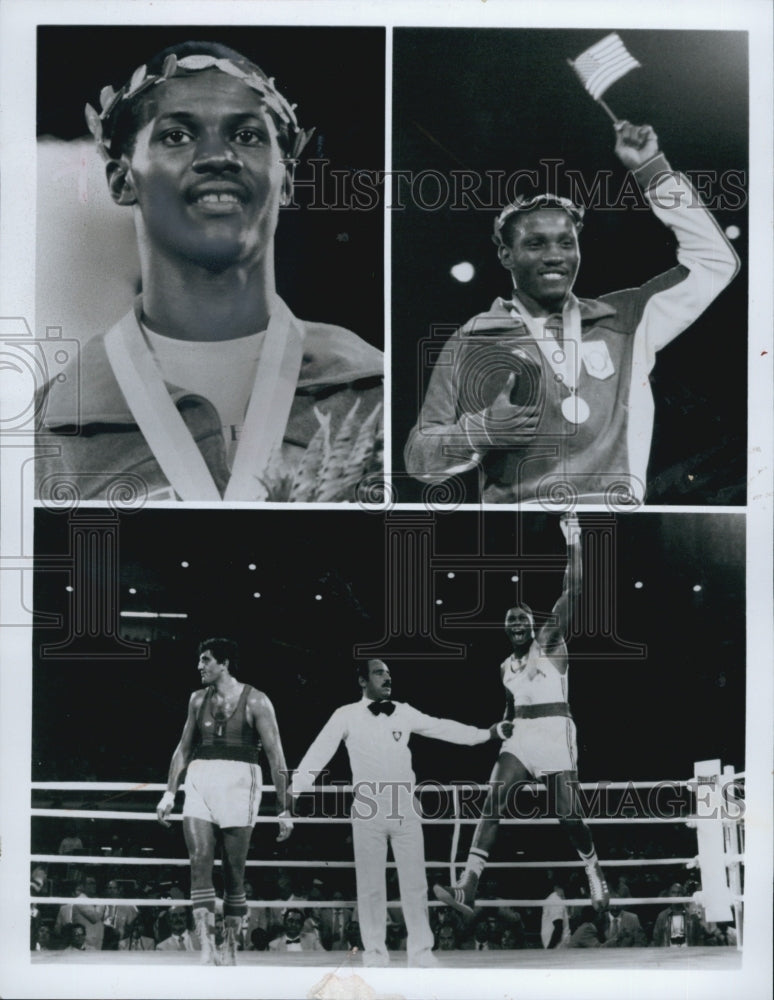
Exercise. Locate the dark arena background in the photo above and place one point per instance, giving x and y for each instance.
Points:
(470, 105)
(657, 676)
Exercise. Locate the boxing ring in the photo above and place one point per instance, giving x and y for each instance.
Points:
(717, 819)
(699, 959)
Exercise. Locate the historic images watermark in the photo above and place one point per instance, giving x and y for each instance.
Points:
(331, 189)
(529, 801)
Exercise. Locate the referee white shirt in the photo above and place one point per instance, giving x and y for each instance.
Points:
(383, 811)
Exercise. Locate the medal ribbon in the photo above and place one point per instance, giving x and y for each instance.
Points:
(165, 431)
(563, 360)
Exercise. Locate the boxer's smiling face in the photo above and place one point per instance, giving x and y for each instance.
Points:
(205, 172)
(543, 257)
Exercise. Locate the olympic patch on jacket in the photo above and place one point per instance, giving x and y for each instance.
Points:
(596, 359)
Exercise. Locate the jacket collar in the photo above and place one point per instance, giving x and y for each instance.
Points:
(89, 392)
(500, 317)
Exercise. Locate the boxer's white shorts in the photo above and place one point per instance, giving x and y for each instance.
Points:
(224, 792)
(544, 745)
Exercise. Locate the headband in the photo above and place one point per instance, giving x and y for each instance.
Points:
(101, 124)
(521, 204)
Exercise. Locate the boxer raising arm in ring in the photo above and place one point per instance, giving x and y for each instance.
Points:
(227, 724)
(543, 744)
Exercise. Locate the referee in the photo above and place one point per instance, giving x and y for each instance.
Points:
(376, 733)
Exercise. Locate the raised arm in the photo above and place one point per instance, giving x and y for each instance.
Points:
(181, 758)
(671, 302)
(552, 636)
(264, 720)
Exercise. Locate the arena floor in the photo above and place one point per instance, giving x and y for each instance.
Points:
(704, 959)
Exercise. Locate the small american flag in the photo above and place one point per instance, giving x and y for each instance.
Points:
(600, 66)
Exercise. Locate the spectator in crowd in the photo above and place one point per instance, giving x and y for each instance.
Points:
(623, 929)
(396, 935)
(287, 890)
(495, 925)
(333, 924)
(481, 941)
(256, 916)
(71, 841)
(44, 939)
(510, 938)
(259, 939)
(119, 918)
(169, 885)
(293, 936)
(442, 916)
(149, 888)
(555, 922)
(511, 918)
(180, 937)
(586, 934)
(675, 926)
(315, 892)
(354, 941)
(313, 915)
(39, 885)
(284, 885)
(74, 937)
(90, 917)
(161, 916)
(139, 939)
(622, 890)
(446, 938)
(63, 918)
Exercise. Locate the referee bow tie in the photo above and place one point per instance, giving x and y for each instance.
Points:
(292, 940)
(381, 708)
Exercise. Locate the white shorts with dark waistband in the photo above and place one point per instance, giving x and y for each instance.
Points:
(544, 745)
(224, 792)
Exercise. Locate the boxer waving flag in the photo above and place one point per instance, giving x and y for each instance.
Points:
(585, 428)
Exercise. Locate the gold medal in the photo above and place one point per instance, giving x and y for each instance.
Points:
(575, 409)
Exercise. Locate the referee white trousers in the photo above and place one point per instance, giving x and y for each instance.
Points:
(369, 839)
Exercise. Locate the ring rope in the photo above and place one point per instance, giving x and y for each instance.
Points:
(732, 827)
(455, 835)
(316, 904)
(422, 787)
(84, 859)
(446, 820)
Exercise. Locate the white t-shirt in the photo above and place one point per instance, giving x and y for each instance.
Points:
(222, 371)
(557, 910)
